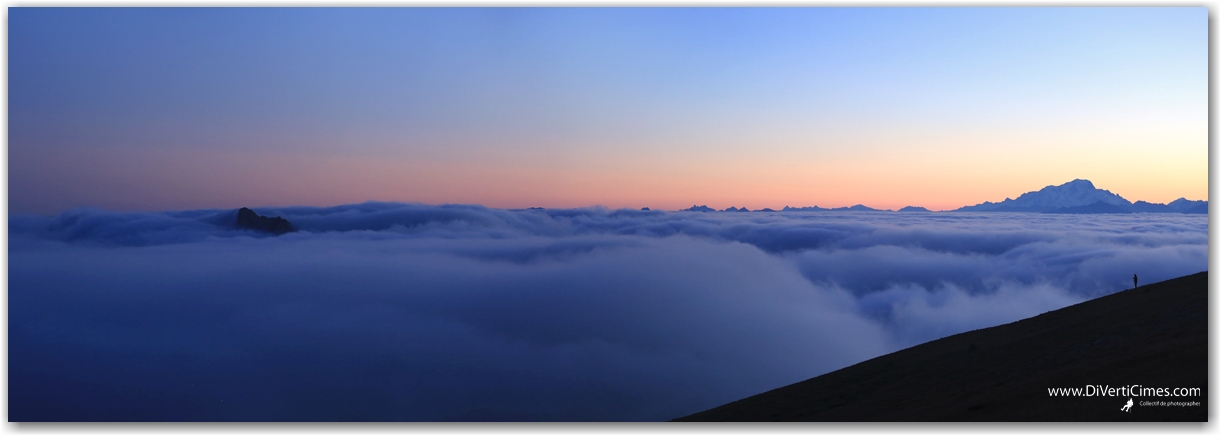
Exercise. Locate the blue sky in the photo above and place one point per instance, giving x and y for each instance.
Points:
(619, 107)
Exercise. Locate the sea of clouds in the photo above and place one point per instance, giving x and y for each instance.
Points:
(389, 311)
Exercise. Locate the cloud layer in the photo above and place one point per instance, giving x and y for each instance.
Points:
(387, 311)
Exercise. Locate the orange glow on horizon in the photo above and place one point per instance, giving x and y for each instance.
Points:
(305, 179)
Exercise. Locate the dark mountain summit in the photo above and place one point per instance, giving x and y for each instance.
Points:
(248, 219)
(1153, 336)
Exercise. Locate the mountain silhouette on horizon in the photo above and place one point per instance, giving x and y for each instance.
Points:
(1080, 196)
(857, 207)
(248, 219)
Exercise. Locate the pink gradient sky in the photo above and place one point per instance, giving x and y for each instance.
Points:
(154, 109)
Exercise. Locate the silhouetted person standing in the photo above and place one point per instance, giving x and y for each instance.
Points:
(1137, 280)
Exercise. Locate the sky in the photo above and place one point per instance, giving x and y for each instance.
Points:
(405, 144)
(176, 109)
(407, 312)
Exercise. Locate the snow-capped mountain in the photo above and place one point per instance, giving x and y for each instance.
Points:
(1075, 193)
(1080, 196)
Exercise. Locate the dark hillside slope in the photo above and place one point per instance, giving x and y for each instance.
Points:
(1153, 336)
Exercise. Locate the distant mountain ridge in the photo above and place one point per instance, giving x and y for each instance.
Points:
(1080, 196)
(857, 207)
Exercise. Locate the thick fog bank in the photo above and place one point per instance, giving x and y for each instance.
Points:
(386, 311)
